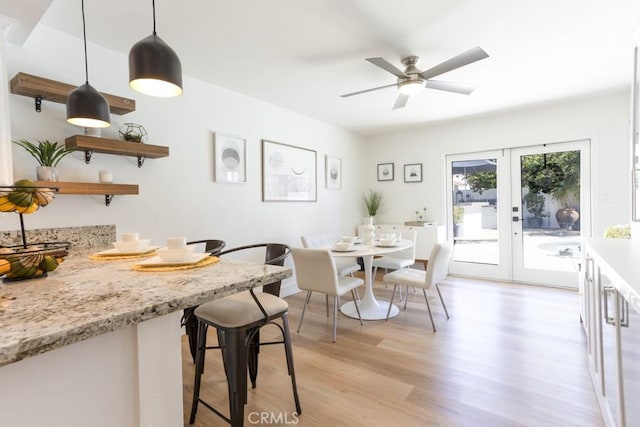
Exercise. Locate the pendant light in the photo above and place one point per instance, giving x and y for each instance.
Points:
(154, 68)
(86, 106)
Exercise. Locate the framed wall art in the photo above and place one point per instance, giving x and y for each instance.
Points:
(413, 172)
(385, 171)
(333, 172)
(288, 173)
(230, 163)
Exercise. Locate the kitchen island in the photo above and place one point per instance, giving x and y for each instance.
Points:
(98, 344)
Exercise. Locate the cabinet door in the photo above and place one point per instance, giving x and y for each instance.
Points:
(630, 363)
(609, 375)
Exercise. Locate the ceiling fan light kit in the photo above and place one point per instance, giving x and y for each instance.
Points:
(86, 106)
(154, 68)
(412, 80)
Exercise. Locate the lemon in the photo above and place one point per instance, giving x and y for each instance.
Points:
(6, 205)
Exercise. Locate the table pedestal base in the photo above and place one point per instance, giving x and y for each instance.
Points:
(372, 311)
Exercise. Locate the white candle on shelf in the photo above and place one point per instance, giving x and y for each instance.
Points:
(105, 176)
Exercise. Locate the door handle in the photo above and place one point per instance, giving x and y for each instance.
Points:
(606, 290)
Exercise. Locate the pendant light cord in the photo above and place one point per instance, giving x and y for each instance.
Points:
(153, 5)
(84, 36)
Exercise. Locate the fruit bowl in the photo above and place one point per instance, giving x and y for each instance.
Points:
(23, 262)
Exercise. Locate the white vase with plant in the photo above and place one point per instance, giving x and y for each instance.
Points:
(48, 154)
(373, 202)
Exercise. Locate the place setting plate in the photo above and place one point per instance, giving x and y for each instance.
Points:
(116, 252)
(156, 261)
(344, 250)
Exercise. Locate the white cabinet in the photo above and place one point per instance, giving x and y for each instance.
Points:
(427, 236)
(610, 311)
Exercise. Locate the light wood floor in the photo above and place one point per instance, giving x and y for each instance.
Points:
(511, 355)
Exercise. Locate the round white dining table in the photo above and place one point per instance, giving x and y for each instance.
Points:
(370, 307)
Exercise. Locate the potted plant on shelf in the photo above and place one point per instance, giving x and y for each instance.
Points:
(48, 154)
(534, 203)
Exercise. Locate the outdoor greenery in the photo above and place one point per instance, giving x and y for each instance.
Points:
(534, 203)
(458, 214)
(481, 181)
(373, 201)
(45, 152)
(557, 174)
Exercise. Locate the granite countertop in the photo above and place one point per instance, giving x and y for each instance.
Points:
(85, 298)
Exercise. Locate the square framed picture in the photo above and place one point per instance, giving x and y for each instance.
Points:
(385, 171)
(288, 173)
(230, 163)
(413, 172)
(333, 172)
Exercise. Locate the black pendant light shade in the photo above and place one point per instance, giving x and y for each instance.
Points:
(87, 107)
(154, 68)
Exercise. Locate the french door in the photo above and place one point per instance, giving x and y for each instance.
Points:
(518, 214)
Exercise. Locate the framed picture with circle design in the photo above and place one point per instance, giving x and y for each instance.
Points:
(385, 171)
(229, 159)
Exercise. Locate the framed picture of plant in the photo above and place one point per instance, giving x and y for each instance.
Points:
(385, 171)
(413, 172)
(288, 173)
(333, 172)
(229, 158)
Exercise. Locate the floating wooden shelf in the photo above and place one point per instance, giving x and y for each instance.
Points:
(91, 188)
(96, 144)
(40, 88)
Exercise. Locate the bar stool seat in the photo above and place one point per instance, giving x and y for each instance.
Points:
(240, 310)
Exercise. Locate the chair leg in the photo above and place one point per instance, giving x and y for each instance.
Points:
(335, 316)
(236, 370)
(433, 325)
(406, 296)
(254, 350)
(200, 351)
(304, 307)
(289, 353)
(393, 293)
(442, 301)
(355, 302)
(326, 301)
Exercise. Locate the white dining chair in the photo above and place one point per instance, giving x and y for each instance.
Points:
(316, 272)
(345, 266)
(397, 260)
(437, 270)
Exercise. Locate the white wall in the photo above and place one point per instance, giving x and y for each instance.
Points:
(177, 194)
(603, 118)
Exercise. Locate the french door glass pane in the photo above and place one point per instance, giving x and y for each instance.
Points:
(550, 193)
(474, 203)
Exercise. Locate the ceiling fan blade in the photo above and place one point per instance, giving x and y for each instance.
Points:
(450, 87)
(385, 65)
(368, 90)
(401, 101)
(465, 58)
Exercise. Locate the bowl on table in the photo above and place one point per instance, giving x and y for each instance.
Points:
(348, 239)
(387, 242)
(343, 246)
(132, 246)
(175, 255)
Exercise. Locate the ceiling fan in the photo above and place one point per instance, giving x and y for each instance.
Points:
(412, 79)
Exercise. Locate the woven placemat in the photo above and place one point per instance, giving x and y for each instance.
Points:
(96, 257)
(205, 261)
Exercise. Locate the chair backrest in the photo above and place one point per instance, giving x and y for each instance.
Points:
(315, 270)
(210, 245)
(438, 265)
(275, 254)
(409, 253)
(317, 240)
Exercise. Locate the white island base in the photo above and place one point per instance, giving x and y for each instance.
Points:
(127, 378)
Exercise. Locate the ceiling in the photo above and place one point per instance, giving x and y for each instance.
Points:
(301, 55)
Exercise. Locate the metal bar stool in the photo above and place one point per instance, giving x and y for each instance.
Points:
(238, 319)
